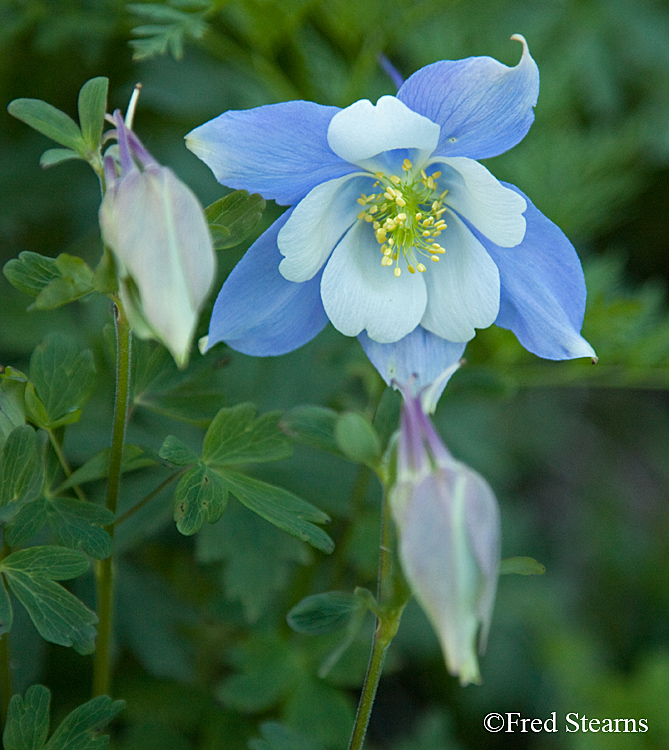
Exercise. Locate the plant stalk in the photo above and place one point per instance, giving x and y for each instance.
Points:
(387, 624)
(105, 568)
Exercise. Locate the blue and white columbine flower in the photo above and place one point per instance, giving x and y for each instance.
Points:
(395, 233)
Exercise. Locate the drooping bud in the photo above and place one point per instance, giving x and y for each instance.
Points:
(449, 539)
(155, 227)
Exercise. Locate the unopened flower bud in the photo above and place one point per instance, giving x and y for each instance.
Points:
(449, 540)
(155, 227)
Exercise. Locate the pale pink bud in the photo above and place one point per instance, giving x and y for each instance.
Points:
(156, 229)
(449, 540)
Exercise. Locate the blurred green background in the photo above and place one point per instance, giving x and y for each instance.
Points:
(577, 455)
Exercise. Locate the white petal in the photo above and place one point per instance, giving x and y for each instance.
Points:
(474, 193)
(463, 287)
(359, 293)
(364, 130)
(318, 223)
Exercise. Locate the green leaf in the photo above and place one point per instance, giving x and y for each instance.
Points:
(134, 457)
(26, 523)
(312, 425)
(75, 281)
(20, 470)
(232, 217)
(357, 439)
(53, 156)
(259, 558)
(6, 611)
(80, 730)
(523, 566)
(281, 508)
(28, 723)
(279, 737)
(31, 272)
(58, 615)
(12, 411)
(320, 614)
(78, 524)
(63, 376)
(235, 436)
(47, 561)
(28, 720)
(387, 416)
(176, 452)
(267, 671)
(200, 496)
(92, 106)
(320, 711)
(49, 121)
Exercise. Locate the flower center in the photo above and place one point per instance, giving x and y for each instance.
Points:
(406, 217)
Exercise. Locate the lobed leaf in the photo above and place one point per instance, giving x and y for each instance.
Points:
(312, 425)
(31, 272)
(320, 614)
(92, 105)
(281, 508)
(97, 467)
(80, 729)
(56, 613)
(232, 217)
(12, 410)
(20, 470)
(28, 720)
(49, 121)
(78, 524)
(357, 439)
(200, 496)
(63, 376)
(53, 156)
(176, 452)
(236, 436)
(46, 561)
(26, 523)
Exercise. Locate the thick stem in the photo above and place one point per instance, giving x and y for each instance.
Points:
(388, 621)
(105, 568)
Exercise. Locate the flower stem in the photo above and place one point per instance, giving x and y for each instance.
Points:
(104, 568)
(387, 624)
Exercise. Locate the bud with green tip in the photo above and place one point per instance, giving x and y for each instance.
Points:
(449, 539)
(155, 227)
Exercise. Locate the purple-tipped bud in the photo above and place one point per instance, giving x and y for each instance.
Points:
(155, 226)
(449, 539)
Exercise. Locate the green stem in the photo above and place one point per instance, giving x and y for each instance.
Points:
(104, 568)
(64, 465)
(5, 667)
(387, 624)
(150, 496)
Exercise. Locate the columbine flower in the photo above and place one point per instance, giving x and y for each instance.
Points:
(449, 539)
(156, 229)
(396, 235)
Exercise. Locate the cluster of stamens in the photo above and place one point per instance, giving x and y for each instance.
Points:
(406, 217)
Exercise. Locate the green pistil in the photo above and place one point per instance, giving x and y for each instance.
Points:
(406, 217)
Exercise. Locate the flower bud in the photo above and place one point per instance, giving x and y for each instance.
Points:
(155, 227)
(449, 540)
